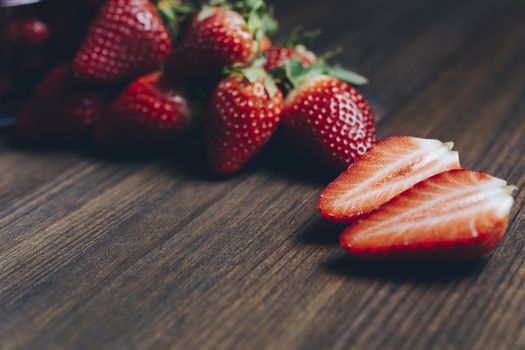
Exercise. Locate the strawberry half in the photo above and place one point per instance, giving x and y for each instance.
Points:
(245, 110)
(126, 39)
(218, 37)
(391, 167)
(148, 114)
(457, 215)
(60, 110)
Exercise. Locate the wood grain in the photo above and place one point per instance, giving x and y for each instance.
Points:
(104, 252)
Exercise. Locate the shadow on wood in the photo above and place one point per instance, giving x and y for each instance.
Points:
(417, 272)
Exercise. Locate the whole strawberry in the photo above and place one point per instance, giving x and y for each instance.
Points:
(324, 116)
(60, 110)
(148, 114)
(27, 32)
(244, 112)
(277, 57)
(218, 37)
(126, 39)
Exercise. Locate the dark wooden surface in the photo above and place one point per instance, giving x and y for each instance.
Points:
(106, 252)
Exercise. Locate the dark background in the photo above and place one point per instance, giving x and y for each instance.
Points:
(111, 253)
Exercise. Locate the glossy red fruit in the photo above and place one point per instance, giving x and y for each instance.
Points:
(457, 215)
(125, 40)
(60, 110)
(242, 117)
(277, 57)
(329, 119)
(28, 32)
(216, 37)
(149, 113)
(391, 167)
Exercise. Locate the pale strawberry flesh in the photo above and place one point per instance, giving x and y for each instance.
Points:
(459, 215)
(391, 167)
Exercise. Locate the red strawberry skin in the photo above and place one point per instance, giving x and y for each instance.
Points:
(148, 114)
(60, 110)
(329, 119)
(391, 167)
(28, 32)
(125, 40)
(221, 39)
(241, 119)
(277, 57)
(456, 215)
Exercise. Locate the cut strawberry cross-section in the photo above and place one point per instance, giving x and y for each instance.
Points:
(456, 215)
(391, 167)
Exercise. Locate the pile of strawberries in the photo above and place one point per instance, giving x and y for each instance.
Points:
(34, 35)
(146, 69)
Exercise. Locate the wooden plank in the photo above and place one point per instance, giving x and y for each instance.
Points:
(154, 254)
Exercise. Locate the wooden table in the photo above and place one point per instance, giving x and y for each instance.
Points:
(108, 252)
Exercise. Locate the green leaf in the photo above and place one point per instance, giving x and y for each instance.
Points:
(270, 86)
(252, 74)
(206, 12)
(347, 75)
(299, 36)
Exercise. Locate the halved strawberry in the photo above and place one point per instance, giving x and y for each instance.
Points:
(458, 215)
(391, 167)
(149, 113)
(126, 39)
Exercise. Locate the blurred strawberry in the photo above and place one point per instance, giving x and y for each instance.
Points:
(290, 47)
(218, 37)
(27, 32)
(148, 114)
(60, 110)
(277, 57)
(126, 39)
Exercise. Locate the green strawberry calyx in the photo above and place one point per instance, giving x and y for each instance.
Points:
(174, 13)
(255, 73)
(294, 73)
(257, 14)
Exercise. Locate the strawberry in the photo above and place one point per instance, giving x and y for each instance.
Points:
(391, 167)
(126, 39)
(458, 215)
(323, 115)
(60, 110)
(277, 57)
(218, 37)
(27, 32)
(149, 113)
(244, 112)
